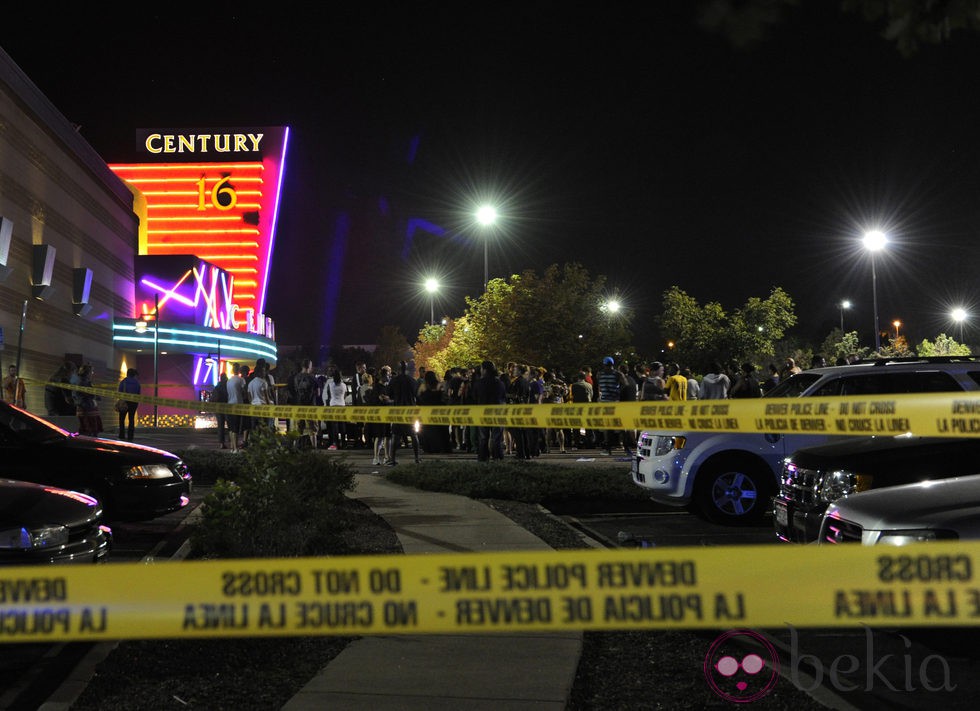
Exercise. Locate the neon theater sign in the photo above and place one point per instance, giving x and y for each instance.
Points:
(208, 203)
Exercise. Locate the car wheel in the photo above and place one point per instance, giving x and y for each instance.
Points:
(734, 492)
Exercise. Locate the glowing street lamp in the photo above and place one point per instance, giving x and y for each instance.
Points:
(897, 324)
(845, 304)
(486, 216)
(432, 286)
(959, 315)
(875, 241)
(613, 306)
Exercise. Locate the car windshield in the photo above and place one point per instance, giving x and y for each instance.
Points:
(17, 427)
(794, 386)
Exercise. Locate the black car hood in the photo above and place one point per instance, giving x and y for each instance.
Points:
(126, 452)
(26, 504)
(895, 455)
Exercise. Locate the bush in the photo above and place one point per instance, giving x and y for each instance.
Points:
(282, 502)
(207, 466)
(530, 482)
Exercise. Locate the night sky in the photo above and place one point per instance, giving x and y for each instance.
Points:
(624, 137)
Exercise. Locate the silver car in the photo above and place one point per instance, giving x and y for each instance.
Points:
(942, 509)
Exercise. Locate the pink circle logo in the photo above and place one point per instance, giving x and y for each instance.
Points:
(741, 666)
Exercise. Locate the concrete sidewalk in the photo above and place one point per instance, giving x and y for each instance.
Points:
(432, 672)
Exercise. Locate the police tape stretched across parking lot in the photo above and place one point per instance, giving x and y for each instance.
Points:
(660, 588)
(931, 414)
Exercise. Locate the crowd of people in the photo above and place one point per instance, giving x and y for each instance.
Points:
(511, 384)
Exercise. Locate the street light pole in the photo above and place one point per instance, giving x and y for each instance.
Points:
(845, 304)
(873, 242)
(959, 315)
(486, 216)
(432, 286)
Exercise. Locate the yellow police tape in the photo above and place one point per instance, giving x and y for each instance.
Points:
(692, 588)
(932, 414)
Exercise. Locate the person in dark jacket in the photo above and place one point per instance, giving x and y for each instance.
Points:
(489, 389)
(128, 385)
(402, 393)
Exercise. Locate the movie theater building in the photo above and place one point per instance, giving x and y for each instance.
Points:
(160, 263)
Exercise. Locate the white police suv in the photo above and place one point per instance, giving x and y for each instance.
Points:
(732, 477)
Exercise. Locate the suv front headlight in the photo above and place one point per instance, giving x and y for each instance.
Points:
(666, 444)
(904, 538)
(149, 471)
(38, 537)
(841, 483)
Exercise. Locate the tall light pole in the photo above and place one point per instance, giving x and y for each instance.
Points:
(875, 241)
(432, 286)
(959, 315)
(897, 324)
(845, 304)
(486, 216)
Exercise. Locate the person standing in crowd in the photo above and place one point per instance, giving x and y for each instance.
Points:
(693, 386)
(608, 383)
(236, 396)
(772, 380)
(335, 395)
(258, 393)
(676, 383)
(220, 395)
(517, 394)
(14, 389)
(368, 396)
(129, 385)
(86, 404)
(653, 386)
(555, 392)
(58, 401)
(534, 438)
(382, 390)
(355, 430)
(403, 395)
(454, 397)
(790, 368)
(580, 393)
(304, 388)
(627, 393)
(747, 384)
(248, 422)
(435, 438)
(715, 384)
(489, 389)
(818, 361)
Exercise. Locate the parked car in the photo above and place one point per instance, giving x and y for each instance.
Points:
(131, 481)
(947, 509)
(44, 524)
(730, 477)
(815, 477)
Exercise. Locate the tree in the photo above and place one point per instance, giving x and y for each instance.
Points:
(555, 320)
(432, 341)
(943, 346)
(706, 333)
(841, 345)
(897, 347)
(392, 347)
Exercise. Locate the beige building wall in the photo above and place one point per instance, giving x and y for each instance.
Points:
(57, 191)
